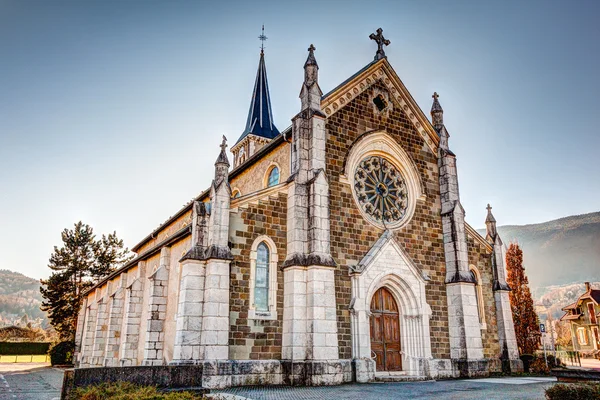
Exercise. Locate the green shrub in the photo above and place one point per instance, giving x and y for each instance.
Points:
(574, 391)
(62, 353)
(23, 348)
(128, 391)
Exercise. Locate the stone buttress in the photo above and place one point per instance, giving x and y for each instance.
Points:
(214, 333)
(309, 313)
(466, 346)
(191, 291)
(157, 311)
(506, 327)
(130, 334)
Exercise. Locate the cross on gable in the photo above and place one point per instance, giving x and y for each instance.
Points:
(381, 41)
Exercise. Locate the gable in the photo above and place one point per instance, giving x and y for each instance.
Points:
(382, 71)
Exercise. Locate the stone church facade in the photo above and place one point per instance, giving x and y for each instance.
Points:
(333, 251)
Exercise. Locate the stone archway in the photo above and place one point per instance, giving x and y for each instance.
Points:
(385, 331)
(387, 266)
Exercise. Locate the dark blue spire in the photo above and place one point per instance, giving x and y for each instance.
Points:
(260, 116)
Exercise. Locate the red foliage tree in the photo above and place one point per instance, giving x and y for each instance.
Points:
(524, 316)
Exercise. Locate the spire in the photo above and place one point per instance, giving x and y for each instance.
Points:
(437, 113)
(260, 116)
(310, 95)
(222, 159)
(490, 223)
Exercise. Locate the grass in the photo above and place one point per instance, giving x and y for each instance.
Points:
(128, 391)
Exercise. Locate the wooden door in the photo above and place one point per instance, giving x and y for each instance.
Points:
(385, 331)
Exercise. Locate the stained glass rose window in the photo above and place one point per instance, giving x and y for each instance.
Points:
(380, 190)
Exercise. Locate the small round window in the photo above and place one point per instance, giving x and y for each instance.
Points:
(380, 190)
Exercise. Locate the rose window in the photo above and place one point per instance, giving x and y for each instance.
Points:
(380, 190)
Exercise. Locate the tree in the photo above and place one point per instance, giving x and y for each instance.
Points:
(78, 265)
(563, 335)
(525, 319)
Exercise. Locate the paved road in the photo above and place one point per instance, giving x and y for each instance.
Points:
(488, 389)
(41, 382)
(29, 381)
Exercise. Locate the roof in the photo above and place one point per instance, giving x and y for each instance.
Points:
(568, 317)
(260, 116)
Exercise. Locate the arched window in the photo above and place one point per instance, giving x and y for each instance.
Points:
(236, 193)
(273, 177)
(261, 282)
(478, 295)
(263, 279)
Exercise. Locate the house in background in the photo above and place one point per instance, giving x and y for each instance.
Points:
(583, 316)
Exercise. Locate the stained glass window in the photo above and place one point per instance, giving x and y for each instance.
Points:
(380, 189)
(261, 280)
(273, 177)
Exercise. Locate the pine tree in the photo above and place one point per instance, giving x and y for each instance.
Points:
(77, 265)
(525, 319)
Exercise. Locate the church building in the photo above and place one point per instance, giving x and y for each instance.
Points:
(332, 251)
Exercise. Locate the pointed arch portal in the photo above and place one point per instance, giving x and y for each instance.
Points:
(385, 331)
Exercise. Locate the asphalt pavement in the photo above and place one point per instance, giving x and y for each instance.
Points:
(29, 381)
(39, 381)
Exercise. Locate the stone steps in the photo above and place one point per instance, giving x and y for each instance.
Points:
(397, 377)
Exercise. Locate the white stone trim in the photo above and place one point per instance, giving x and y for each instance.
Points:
(391, 268)
(381, 144)
(273, 258)
(479, 294)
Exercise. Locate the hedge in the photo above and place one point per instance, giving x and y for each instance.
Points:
(23, 348)
(574, 391)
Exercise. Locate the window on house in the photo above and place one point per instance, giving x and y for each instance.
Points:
(582, 336)
(595, 334)
(592, 312)
(236, 194)
(273, 177)
(261, 282)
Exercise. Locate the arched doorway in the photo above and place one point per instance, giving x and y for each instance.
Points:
(385, 331)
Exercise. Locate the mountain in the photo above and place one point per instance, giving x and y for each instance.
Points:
(19, 296)
(559, 252)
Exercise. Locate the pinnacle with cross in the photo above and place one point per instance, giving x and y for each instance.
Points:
(381, 41)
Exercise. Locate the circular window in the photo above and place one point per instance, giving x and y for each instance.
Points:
(380, 190)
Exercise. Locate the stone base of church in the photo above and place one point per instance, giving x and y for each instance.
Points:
(227, 373)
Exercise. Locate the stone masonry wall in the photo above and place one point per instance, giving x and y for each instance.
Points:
(352, 236)
(479, 257)
(251, 180)
(255, 339)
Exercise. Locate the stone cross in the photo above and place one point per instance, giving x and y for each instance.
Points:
(435, 97)
(312, 48)
(489, 208)
(381, 41)
(224, 143)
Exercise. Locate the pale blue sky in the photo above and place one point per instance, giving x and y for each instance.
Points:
(111, 112)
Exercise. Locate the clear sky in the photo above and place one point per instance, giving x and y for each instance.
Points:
(111, 112)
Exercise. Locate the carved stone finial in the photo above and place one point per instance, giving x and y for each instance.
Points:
(222, 159)
(489, 208)
(311, 60)
(381, 41)
(435, 95)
